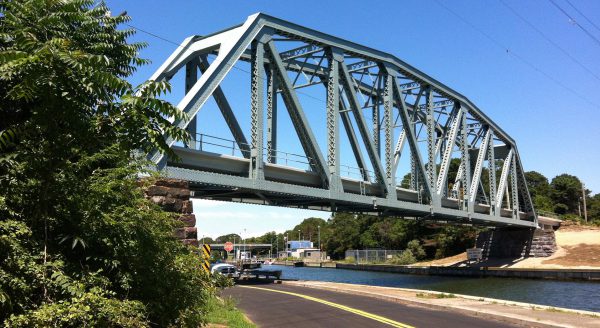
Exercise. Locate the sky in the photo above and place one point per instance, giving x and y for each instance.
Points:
(543, 91)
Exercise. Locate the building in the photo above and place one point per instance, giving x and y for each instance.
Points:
(302, 249)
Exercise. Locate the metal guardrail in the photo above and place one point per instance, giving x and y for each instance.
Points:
(205, 142)
(548, 214)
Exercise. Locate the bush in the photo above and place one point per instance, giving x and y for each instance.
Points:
(453, 240)
(405, 258)
(416, 249)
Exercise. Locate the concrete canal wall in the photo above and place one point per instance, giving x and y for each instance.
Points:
(556, 274)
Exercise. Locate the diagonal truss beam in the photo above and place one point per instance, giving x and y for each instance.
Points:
(227, 112)
(300, 122)
(502, 185)
(353, 139)
(479, 166)
(409, 129)
(446, 157)
(346, 82)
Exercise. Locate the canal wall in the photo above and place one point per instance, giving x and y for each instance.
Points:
(308, 264)
(555, 274)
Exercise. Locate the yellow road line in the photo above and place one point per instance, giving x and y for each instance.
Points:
(339, 306)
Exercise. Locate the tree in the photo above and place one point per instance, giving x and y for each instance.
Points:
(80, 245)
(594, 209)
(566, 190)
(309, 229)
(537, 184)
(345, 234)
(232, 237)
(539, 188)
(452, 240)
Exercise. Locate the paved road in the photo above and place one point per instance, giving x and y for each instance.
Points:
(293, 306)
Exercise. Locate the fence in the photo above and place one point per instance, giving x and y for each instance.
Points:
(371, 255)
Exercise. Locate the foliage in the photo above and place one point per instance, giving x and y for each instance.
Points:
(224, 312)
(566, 190)
(95, 308)
(405, 258)
(80, 245)
(563, 196)
(416, 249)
(232, 237)
(454, 239)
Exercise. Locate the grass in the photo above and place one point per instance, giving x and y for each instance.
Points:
(430, 295)
(223, 313)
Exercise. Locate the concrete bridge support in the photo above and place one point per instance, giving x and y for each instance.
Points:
(505, 243)
(174, 196)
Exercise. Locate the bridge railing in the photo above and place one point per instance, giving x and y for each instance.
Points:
(206, 142)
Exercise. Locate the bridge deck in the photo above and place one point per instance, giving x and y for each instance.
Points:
(212, 165)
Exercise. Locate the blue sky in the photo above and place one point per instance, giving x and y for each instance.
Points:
(556, 130)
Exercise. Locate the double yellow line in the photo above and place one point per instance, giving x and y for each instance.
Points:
(338, 306)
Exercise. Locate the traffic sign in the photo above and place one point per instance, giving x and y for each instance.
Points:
(228, 246)
(205, 260)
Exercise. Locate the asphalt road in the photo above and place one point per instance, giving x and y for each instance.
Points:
(275, 305)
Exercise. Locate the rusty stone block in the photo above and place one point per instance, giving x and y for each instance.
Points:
(193, 242)
(157, 191)
(173, 183)
(172, 204)
(187, 207)
(188, 220)
(158, 200)
(186, 233)
(179, 193)
(179, 233)
(191, 233)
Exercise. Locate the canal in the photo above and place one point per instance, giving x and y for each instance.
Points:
(568, 294)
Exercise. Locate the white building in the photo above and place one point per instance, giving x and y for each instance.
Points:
(301, 249)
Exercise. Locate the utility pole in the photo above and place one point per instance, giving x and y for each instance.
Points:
(320, 251)
(584, 203)
(319, 229)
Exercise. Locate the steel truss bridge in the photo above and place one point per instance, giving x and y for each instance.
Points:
(412, 117)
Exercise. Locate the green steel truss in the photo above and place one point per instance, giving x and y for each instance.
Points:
(412, 116)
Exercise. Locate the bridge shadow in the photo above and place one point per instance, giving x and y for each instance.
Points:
(254, 281)
(492, 262)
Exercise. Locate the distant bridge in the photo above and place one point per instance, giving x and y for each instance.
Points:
(413, 122)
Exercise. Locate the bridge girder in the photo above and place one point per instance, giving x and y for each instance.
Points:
(434, 121)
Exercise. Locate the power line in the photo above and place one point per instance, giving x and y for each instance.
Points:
(543, 35)
(584, 16)
(572, 20)
(517, 56)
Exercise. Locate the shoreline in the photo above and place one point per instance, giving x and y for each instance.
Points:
(588, 275)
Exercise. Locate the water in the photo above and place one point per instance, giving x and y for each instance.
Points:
(568, 294)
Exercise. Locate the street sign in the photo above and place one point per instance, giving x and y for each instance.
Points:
(205, 260)
(474, 254)
(228, 246)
